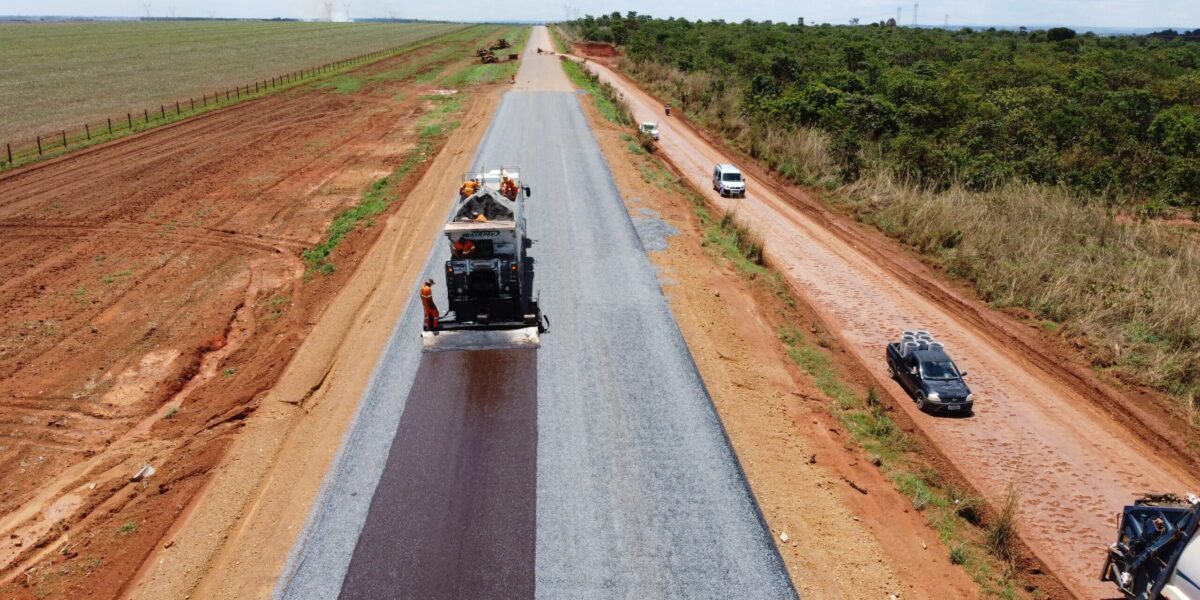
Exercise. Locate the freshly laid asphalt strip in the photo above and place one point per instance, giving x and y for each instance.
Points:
(636, 491)
(453, 516)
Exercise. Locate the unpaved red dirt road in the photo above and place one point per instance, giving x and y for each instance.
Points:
(153, 290)
(1074, 466)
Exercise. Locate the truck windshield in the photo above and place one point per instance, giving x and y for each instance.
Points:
(940, 370)
(731, 177)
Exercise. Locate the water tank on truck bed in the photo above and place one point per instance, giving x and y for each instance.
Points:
(489, 276)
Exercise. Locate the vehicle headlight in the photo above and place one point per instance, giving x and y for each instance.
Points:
(934, 396)
(970, 397)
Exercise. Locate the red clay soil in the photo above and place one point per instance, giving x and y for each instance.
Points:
(595, 49)
(153, 289)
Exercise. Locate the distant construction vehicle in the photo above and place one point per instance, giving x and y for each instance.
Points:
(489, 277)
(501, 44)
(1156, 554)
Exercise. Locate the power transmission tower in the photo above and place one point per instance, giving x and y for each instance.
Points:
(946, 24)
(899, 11)
(329, 11)
(347, 8)
(915, 5)
(171, 10)
(147, 7)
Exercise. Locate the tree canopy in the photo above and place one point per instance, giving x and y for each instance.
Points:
(1109, 115)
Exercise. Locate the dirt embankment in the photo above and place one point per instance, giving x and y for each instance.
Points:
(154, 291)
(595, 49)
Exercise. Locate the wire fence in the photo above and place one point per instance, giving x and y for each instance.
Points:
(21, 151)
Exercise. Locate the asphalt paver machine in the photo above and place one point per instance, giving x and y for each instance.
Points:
(489, 276)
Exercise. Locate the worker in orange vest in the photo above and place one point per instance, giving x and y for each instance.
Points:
(431, 311)
(508, 188)
(463, 248)
(468, 188)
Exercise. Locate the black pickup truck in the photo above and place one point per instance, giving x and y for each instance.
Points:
(932, 379)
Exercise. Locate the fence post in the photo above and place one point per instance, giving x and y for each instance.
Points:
(146, 114)
(87, 130)
(39, 145)
(205, 99)
(177, 108)
(64, 138)
(193, 103)
(255, 87)
(130, 117)
(9, 146)
(109, 125)
(163, 111)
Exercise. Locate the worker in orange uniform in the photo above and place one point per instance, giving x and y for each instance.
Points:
(463, 248)
(431, 311)
(469, 187)
(508, 188)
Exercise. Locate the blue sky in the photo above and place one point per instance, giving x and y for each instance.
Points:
(1098, 13)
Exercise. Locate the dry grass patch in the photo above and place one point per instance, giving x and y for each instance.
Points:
(1128, 287)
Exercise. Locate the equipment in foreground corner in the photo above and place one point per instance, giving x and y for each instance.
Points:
(489, 277)
(1156, 555)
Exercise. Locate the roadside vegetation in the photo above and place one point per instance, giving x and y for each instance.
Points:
(433, 128)
(606, 98)
(1038, 167)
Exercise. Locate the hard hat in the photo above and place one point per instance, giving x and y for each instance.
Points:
(429, 281)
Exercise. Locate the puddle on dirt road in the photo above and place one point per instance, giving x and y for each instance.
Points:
(454, 513)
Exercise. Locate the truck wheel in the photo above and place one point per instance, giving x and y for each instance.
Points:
(891, 370)
(922, 402)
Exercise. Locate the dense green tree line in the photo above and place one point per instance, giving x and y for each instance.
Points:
(1118, 116)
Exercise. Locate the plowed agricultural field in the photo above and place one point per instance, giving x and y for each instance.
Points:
(154, 287)
(59, 75)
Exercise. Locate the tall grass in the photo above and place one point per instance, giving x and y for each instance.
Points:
(1002, 531)
(1127, 286)
(608, 100)
(802, 154)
